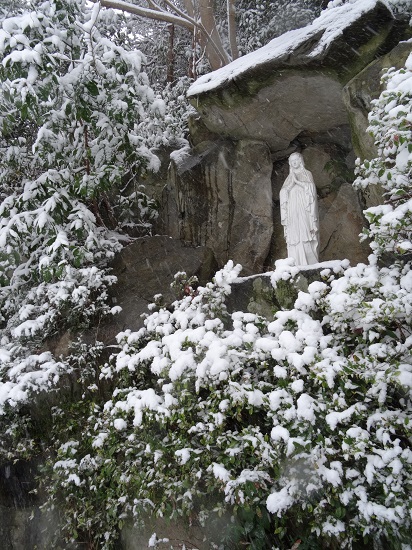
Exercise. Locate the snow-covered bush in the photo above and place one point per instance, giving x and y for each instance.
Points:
(298, 427)
(390, 224)
(178, 110)
(72, 108)
(260, 22)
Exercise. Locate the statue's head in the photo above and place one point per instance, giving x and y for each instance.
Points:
(296, 161)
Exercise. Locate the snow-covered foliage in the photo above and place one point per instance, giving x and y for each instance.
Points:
(170, 112)
(77, 118)
(300, 426)
(168, 50)
(390, 124)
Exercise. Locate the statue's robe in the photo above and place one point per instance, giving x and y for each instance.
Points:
(299, 216)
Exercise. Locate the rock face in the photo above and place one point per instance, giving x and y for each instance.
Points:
(223, 200)
(289, 90)
(365, 87)
(145, 268)
(358, 95)
(253, 114)
(342, 223)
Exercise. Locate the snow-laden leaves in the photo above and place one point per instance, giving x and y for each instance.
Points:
(73, 108)
(391, 126)
(304, 418)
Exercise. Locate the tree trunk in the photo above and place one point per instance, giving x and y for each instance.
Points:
(191, 73)
(171, 54)
(231, 26)
(210, 38)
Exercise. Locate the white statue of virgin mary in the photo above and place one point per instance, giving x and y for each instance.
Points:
(299, 213)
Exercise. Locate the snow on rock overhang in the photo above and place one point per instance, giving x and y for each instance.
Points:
(307, 45)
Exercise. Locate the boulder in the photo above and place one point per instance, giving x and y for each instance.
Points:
(358, 95)
(222, 194)
(257, 294)
(294, 84)
(295, 102)
(144, 269)
(365, 87)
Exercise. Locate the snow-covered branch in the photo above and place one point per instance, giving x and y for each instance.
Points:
(167, 17)
(205, 24)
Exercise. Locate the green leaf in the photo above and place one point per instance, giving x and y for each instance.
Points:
(83, 114)
(340, 512)
(24, 111)
(92, 88)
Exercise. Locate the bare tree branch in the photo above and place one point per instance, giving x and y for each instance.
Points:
(167, 17)
(231, 24)
(209, 35)
(189, 16)
(153, 6)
